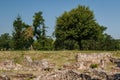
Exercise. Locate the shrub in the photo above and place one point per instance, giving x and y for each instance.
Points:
(93, 66)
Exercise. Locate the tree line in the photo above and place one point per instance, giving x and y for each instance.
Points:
(76, 29)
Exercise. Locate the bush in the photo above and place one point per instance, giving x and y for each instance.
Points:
(93, 66)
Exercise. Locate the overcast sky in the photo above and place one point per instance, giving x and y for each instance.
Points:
(107, 12)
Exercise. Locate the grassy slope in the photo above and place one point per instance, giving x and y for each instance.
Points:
(57, 57)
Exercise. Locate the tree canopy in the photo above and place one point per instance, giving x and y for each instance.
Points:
(78, 24)
(22, 34)
(5, 41)
(38, 23)
(74, 29)
(40, 32)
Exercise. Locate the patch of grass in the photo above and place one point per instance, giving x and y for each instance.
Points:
(93, 66)
(57, 57)
(116, 54)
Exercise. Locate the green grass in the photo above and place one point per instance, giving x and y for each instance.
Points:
(57, 57)
(93, 66)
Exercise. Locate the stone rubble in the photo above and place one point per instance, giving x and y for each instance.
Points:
(83, 61)
(79, 70)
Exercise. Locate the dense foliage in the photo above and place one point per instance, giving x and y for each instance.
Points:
(42, 41)
(75, 26)
(22, 35)
(5, 41)
(76, 29)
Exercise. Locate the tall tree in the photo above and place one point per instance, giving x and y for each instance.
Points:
(39, 28)
(22, 34)
(38, 23)
(78, 24)
(18, 33)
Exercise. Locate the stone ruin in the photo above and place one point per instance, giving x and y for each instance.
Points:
(60, 75)
(43, 64)
(83, 61)
(29, 65)
(10, 65)
(69, 72)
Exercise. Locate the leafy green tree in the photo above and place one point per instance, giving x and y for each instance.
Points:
(104, 43)
(70, 45)
(117, 44)
(22, 34)
(78, 24)
(108, 43)
(18, 34)
(38, 23)
(39, 29)
(37, 45)
(5, 41)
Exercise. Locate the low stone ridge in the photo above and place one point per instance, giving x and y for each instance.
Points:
(60, 75)
(87, 67)
(85, 60)
(4, 77)
(43, 64)
(22, 76)
(63, 75)
(115, 60)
